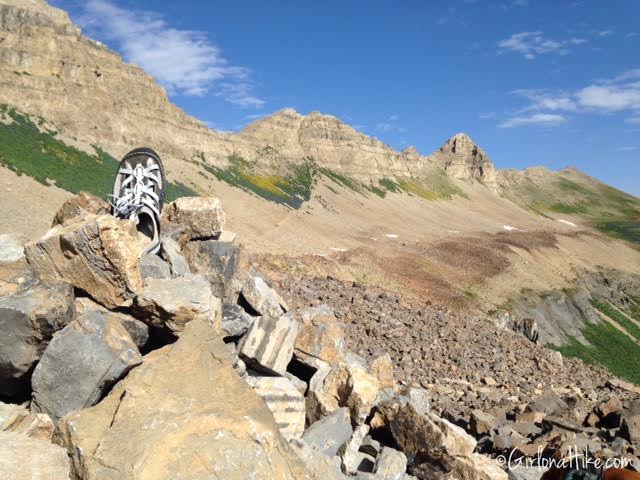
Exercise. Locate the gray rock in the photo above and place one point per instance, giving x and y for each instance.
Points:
(391, 464)
(285, 402)
(263, 299)
(11, 249)
(418, 398)
(370, 446)
(350, 451)
(171, 253)
(235, 321)
(330, 433)
(28, 320)
(630, 429)
(481, 423)
(300, 385)
(548, 403)
(319, 465)
(81, 362)
(152, 266)
(26, 458)
(525, 473)
(268, 344)
(217, 260)
(139, 331)
(238, 365)
(173, 302)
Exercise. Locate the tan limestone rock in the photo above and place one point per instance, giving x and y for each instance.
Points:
(98, 255)
(183, 413)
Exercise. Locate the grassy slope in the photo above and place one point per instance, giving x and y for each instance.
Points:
(28, 148)
(292, 184)
(608, 346)
(607, 209)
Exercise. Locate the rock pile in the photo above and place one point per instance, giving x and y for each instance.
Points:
(191, 365)
(507, 392)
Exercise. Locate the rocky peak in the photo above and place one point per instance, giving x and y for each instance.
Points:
(464, 159)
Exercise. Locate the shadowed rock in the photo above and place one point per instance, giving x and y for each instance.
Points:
(81, 362)
(28, 320)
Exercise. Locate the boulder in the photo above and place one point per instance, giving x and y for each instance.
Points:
(79, 207)
(382, 368)
(344, 385)
(285, 402)
(218, 261)
(390, 465)
(350, 450)
(81, 362)
(319, 465)
(15, 276)
(235, 321)
(139, 331)
(184, 413)
(330, 433)
(11, 249)
(32, 425)
(481, 423)
(202, 217)
(422, 436)
(519, 472)
(261, 298)
(28, 320)
(152, 266)
(173, 302)
(548, 403)
(630, 429)
(172, 254)
(98, 255)
(268, 344)
(25, 458)
(482, 468)
(320, 339)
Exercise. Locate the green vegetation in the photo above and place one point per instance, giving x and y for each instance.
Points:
(611, 211)
(292, 189)
(28, 148)
(609, 348)
(628, 230)
(616, 315)
(293, 184)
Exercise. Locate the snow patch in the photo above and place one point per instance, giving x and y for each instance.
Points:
(509, 228)
(567, 222)
(391, 235)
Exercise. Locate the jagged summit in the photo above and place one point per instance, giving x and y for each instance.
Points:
(464, 159)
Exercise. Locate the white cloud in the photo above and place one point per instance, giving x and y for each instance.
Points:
(531, 44)
(541, 119)
(605, 33)
(627, 149)
(183, 61)
(617, 94)
(541, 100)
(610, 98)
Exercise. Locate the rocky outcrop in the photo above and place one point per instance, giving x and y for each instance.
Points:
(87, 92)
(463, 159)
(161, 420)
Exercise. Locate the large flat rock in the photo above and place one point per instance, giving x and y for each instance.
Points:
(184, 413)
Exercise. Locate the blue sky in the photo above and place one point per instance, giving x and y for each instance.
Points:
(551, 83)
